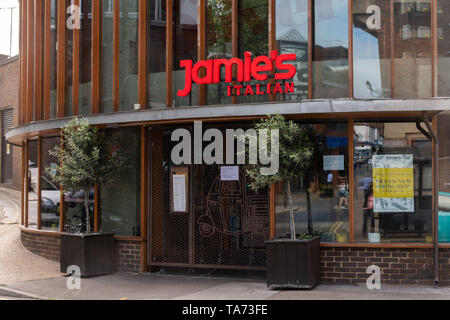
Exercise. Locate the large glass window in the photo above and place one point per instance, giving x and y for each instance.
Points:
(393, 182)
(156, 19)
(412, 49)
(443, 33)
(218, 41)
(184, 48)
(50, 190)
(33, 176)
(106, 57)
(371, 49)
(325, 191)
(292, 37)
(128, 56)
(253, 36)
(85, 57)
(444, 176)
(120, 202)
(330, 62)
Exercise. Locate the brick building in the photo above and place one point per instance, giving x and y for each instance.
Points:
(10, 156)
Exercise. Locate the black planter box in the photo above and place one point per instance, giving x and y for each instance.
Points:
(93, 253)
(293, 264)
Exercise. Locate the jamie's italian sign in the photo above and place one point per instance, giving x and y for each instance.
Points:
(209, 72)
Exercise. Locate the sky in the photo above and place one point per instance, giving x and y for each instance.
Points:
(5, 27)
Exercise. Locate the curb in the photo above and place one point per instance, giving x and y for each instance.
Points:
(8, 292)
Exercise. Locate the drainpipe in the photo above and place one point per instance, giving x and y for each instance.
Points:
(435, 196)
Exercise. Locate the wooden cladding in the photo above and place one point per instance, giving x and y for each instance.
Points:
(36, 46)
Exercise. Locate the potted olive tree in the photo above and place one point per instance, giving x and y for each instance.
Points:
(84, 163)
(292, 261)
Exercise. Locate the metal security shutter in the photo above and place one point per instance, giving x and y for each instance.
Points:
(7, 120)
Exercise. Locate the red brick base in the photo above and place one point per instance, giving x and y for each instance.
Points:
(398, 265)
(47, 245)
(338, 265)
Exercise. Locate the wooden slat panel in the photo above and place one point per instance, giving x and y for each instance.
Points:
(39, 183)
(272, 211)
(22, 202)
(76, 68)
(310, 47)
(19, 115)
(95, 64)
(27, 186)
(116, 54)
(142, 55)
(234, 39)
(391, 19)
(351, 181)
(47, 60)
(434, 49)
(30, 60)
(144, 197)
(38, 28)
(350, 48)
(169, 51)
(61, 59)
(201, 45)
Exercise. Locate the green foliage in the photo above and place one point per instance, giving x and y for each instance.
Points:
(296, 151)
(84, 159)
(296, 148)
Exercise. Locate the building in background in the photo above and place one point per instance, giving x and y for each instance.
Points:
(369, 76)
(10, 155)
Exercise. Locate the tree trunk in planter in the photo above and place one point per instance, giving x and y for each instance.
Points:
(92, 253)
(293, 264)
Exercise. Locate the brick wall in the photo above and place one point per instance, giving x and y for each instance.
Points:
(127, 255)
(126, 252)
(9, 97)
(398, 265)
(42, 244)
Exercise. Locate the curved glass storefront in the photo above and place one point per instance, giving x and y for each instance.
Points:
(303, 56)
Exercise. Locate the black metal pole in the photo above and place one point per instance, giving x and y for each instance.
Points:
(436, 197)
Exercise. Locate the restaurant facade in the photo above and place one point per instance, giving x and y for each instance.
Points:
(367, 77)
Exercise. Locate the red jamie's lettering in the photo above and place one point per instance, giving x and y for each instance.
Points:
(245, 71)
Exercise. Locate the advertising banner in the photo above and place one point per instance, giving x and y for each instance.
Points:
(393, 183)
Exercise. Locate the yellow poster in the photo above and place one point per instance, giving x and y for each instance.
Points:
(393, 183)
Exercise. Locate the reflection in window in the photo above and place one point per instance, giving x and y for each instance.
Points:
(325, 191)
(156, 21)
(85, 58)
(330, 61)
(412, 49)
(75, 212)
(292, 37)
(371, 49)
(128, 56)
(218, 39)
(253, 36)
(50, 191)
(444, 176)
(184, 48)
(106, 57)
(33, 176)
(120, 202)
(443, 33)
(393, 182)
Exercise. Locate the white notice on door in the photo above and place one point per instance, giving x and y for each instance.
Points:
(179, 192)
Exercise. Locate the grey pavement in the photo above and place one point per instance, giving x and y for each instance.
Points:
(24, 275)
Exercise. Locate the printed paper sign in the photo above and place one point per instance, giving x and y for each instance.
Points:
(179, 193)
(331, 163)
(229, 173)
(393, 183)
